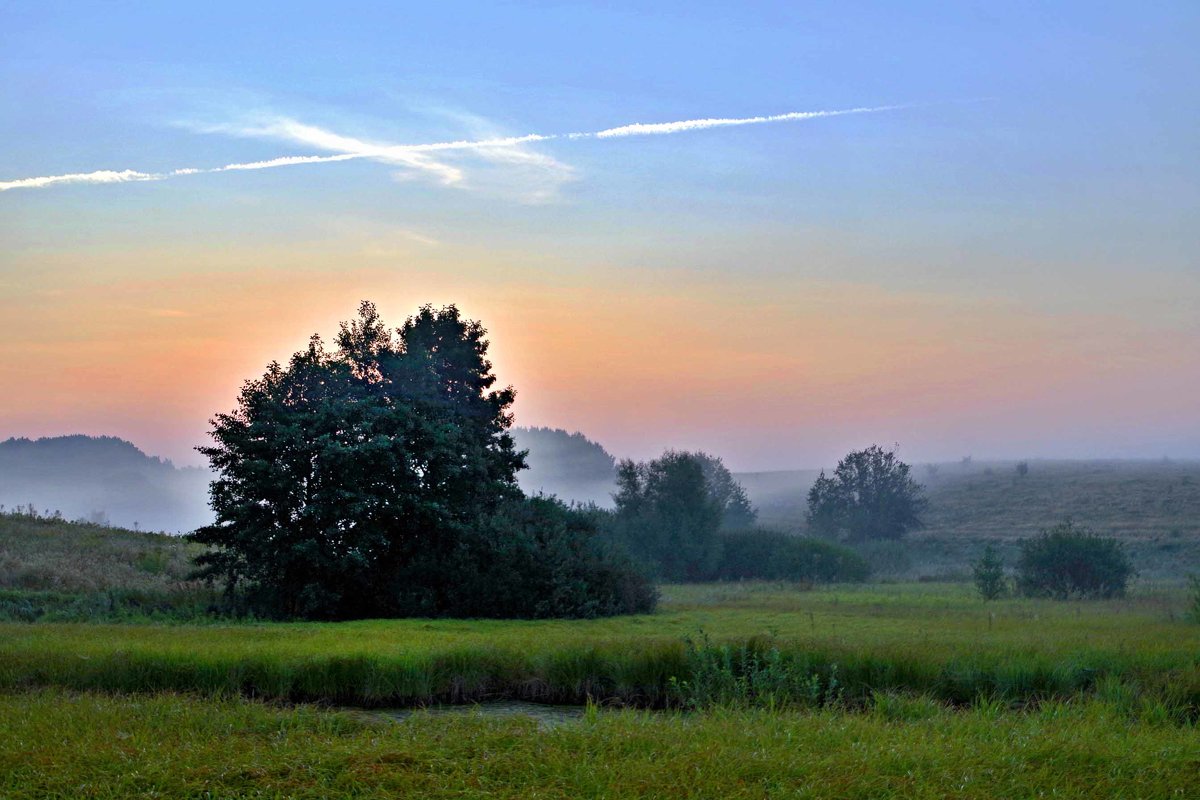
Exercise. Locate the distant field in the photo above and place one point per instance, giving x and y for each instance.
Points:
(1154, 506)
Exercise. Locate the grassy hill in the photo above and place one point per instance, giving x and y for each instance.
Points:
(1153, 506)
(53, 570)
(53, 555)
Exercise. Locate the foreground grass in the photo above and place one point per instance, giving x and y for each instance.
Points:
(61, 745)
(752, 643)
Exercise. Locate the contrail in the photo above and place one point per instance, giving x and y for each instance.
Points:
(647, 129)
(413, 155)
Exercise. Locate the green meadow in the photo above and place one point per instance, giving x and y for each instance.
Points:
(886, 689)
(56, 744)
(750, 644)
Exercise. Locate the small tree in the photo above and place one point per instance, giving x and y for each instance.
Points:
(1022, 468)
(1071, 561)
(989, 574)
(871, 495)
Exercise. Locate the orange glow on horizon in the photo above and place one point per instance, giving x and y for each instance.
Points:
(669, 363)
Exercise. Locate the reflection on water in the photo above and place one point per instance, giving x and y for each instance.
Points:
(546, 716)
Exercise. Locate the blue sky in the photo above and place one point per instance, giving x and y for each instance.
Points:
(1040, 176)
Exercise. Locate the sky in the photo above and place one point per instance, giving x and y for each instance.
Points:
(991, 246)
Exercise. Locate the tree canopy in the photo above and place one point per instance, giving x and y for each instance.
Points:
(360, 481)
(871, 495)
(669, 512)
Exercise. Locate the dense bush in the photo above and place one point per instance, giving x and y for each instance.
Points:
(771, 555)
(538, 558)
(1071, 561)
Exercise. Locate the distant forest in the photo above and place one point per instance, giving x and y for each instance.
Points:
(568, 465)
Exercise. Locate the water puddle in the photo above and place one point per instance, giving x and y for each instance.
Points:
(547, 717)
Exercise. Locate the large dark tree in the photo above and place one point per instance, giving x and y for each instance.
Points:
(350, 482)
(871, 495)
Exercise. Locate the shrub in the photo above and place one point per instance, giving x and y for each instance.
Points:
(1071, 561)
(989, 574)
(771, 555)
(538, 558)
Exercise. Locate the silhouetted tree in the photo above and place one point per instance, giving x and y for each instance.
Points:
(871, 495)
(352, 483)
(736, 510)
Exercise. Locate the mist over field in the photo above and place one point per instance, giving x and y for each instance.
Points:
(102, 480)
(1152, 505)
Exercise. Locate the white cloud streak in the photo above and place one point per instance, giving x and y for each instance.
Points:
(100, 176)
(417, 158)
(656, 128)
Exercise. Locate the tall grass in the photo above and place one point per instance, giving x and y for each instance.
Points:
(48, 554)
(60, 745)
(764, 645)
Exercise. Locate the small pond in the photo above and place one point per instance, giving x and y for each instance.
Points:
(547, 717)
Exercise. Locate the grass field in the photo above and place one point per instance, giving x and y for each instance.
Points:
(750, 642)
(881, 690)
(64, 745)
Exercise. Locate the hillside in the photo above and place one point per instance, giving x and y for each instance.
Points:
(104, 480)
(567, 465)
(1132, 499)
(56, 556)
(1154, 506)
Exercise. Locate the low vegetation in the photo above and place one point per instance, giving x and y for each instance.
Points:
(771, 555)
(937, 641)
(56, 744)
(1068, 561)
